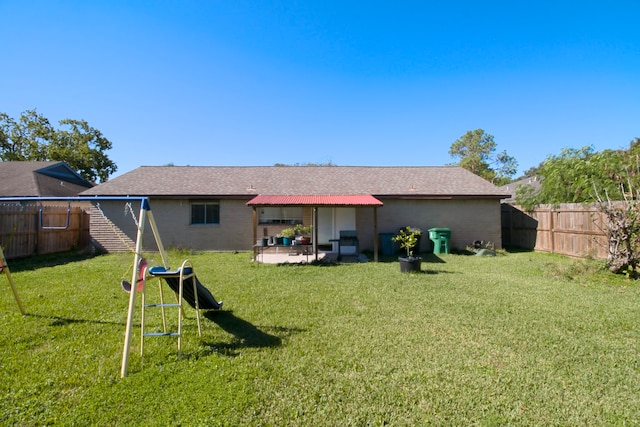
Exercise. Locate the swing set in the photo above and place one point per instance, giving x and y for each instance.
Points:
(195, 293)
(4, 269)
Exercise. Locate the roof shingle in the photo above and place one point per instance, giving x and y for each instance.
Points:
(39, 178)
(220, 181)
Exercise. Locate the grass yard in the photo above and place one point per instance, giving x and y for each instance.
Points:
(519, 339)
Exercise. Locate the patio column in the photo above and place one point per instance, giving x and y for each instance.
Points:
(255, 225)
(375, 234)
(314, 222)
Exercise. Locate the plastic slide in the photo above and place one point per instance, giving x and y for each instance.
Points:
(205, 298)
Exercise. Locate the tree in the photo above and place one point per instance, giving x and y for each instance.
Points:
(622, 225)
(475, 151)
(26, 138)
(33, 138)
(565, 178)
(622, 215)
(574, 174)
(611, 179)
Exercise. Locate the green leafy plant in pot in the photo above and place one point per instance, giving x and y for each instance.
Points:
(287, 234)
(408, 238)
(303, 233)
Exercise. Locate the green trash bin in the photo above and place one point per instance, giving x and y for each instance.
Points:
(440, 238)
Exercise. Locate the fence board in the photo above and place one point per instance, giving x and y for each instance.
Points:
(21, 233)
(572, 229)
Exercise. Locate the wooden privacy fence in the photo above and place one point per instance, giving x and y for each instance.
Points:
(571, 229)
(36, 230)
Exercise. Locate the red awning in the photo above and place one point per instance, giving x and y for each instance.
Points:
(314, 200)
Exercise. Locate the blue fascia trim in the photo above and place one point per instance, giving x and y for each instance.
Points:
(144, 200)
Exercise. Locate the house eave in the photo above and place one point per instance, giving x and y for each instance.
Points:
(441, 196)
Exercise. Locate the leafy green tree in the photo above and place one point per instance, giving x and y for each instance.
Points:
(26, 138)
(566, 178)
(475, 151)
(83, 148)
(33, 138)
(576, 175)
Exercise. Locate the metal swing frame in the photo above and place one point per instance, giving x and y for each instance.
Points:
(54, 227)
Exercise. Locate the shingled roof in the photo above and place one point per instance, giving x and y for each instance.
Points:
(39, 179)
(249, 181)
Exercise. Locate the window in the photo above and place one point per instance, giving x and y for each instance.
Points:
(280, 215)
(205, 213)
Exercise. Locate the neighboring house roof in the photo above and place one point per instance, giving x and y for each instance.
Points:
(39, 179)
(511, 188)
(249, 181)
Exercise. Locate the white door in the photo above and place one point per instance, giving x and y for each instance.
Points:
(331, 221)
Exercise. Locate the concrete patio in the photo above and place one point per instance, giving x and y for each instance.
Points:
(281, 256)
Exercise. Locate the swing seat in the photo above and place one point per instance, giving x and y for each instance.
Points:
(142, 272)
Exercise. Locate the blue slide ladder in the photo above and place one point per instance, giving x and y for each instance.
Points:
(184, 276)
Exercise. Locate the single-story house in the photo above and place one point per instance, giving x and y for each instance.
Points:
(40, 179)
(228, 208)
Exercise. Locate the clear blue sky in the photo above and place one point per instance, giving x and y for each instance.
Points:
(352, 83)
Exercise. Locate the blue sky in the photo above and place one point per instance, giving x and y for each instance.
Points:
(352, 83)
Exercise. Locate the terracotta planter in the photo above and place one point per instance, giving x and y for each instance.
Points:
(303, 240)
(410, 264)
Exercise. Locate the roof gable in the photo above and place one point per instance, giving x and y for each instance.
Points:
(63, 172)
(240, 181)
(40, 178)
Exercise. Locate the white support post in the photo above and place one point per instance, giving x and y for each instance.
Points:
(132, 297)
(156, 235)
(5, 269)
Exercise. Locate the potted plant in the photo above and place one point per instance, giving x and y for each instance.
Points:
(408, 238)
(287, 234)
(303, 234)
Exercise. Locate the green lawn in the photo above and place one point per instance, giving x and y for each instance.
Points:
(518, 339)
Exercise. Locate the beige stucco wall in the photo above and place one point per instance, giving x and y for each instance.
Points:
(172, 218)
(233, 233)
(469, 220)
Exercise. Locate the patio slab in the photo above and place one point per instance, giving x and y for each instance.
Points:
(283, 258)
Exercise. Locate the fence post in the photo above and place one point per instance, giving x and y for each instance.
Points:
(552, 229)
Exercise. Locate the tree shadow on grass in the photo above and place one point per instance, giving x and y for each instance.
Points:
(63, 321)
(246, 335)
(429, 257)
(431, 272)
(36, 262)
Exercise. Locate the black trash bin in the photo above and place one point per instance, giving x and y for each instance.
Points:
(386, 243)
